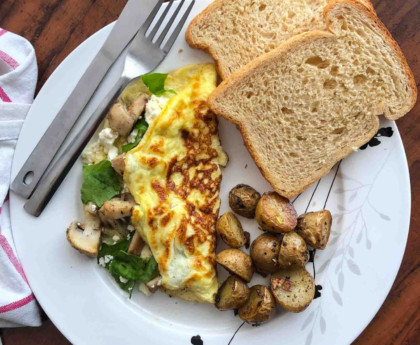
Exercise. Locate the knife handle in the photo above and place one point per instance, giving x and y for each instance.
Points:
(53, 178)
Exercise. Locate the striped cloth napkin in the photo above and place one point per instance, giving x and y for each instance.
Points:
(18, 77)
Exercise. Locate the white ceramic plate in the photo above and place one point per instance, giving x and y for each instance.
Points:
(369, 196)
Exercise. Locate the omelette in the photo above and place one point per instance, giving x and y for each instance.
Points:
(174, 176)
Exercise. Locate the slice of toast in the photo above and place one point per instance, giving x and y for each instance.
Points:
(235, 32)
(316, 98)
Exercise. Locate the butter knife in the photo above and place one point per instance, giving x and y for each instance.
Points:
(129, 22)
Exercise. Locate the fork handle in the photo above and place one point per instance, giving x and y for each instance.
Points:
(53, 177)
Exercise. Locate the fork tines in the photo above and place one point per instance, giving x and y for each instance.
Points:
(160, 38)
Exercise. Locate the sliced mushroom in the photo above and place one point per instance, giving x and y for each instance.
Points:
(86, 237)
(138, 106)
(128, 197)
(154, 284)
(122, 120)
(118, 164)
(119, 119)
(114, 230)
(136, 245)
(116, 209)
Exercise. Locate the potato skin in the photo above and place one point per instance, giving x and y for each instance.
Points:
(293, 251)
(315, 228)
(236, 262)
(260, 306)
(232, 294)
(275, 213)
(243, 200)
(293, 288)
(230, 230)
(265, 252)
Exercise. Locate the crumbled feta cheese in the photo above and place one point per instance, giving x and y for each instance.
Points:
(92, 208)
(143, 288)
(123, 280)
(132, 137)
(146, 253)
(154, 107)
(102, 262)
(93, 154)
(116, 238)
(130, 228)
(108, 258)
(107, 137)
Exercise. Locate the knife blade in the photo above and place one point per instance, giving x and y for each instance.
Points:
(131, 19)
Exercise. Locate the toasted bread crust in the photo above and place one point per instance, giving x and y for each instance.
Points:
(204, 47)
(288, 46)
(284, 48)
(371, 14)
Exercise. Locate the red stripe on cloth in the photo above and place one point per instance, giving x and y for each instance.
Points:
(4, 97)
(9, 60)
(17, 304)
(9, 252)
(2, 32)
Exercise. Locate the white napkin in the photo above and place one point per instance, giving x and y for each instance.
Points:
(18, 77)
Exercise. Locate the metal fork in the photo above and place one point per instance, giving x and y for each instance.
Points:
(144, 55)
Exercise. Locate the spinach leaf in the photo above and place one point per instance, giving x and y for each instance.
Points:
(141, 126)
(101, 183)
(114, 249)
(155, 82)
(127, 287)
(133, 267)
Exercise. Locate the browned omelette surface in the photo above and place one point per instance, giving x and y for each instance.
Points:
(175, 177)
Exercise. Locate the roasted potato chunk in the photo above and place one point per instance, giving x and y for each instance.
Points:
(260, 306)
(293, 251)
(315, 228)
(243, 200)
(232, 294)
(293, 288)
(265, 252)
(237, 263)
(230, 230)
(275, 213)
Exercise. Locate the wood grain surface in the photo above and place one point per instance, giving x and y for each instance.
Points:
(57, 27)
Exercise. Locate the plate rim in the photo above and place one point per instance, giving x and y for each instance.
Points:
(400, 146)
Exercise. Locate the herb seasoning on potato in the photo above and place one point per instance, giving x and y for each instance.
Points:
(265, 252)
(243, 200)
(232, 294)
(315, 228)
(260, 307)
(275, 213)
(293, 288)
(236, 262)
(293, 251)
(230, 230)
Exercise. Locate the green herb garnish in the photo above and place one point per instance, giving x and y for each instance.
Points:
(101, 183)
(141, 126)
(155, 82)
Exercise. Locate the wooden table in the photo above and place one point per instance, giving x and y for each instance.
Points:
(56, 27)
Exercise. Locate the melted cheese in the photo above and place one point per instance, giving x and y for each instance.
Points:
(175, 178)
